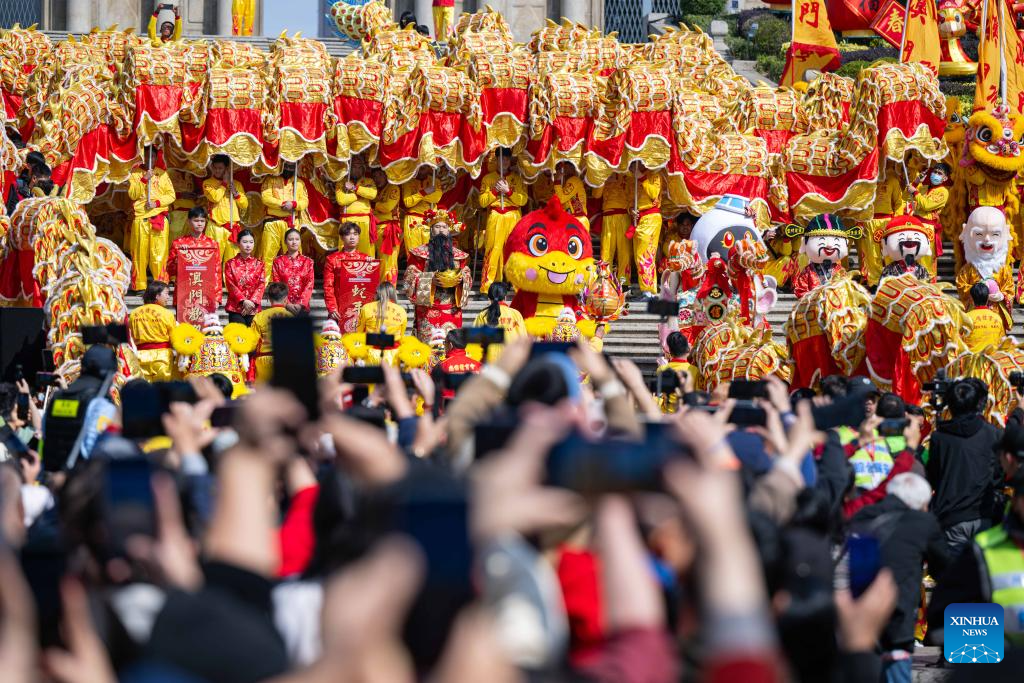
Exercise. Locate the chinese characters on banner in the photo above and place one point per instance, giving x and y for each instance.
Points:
(921, 39)
(888, 23)
(814, 45)
(357, 285)
(197, 288)
(995, 15)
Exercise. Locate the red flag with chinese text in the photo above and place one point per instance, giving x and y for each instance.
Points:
(356, 285)
(888, 22)
(921, 34)
(814, 45)
(197, 285)
(998, 28)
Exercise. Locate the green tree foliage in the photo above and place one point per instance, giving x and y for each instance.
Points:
(707, 7)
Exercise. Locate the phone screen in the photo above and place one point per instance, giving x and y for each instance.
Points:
(865, 555)
(128, 495)
(295, 361)
(746, 390)
(142, 408)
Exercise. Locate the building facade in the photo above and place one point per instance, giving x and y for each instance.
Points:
(213, 17)
(200, 17)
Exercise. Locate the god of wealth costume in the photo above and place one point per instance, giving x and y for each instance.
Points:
(150, 327)
(286, 206)
(986, 242)
(150, 237)
(330, 351)
(437, 278)
(214, 350)
(825, 246)
(905, 240)
(890, 201)
(505, 210)
(264, 361)
(357, 207)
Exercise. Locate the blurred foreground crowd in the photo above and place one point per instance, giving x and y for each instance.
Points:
(547, 521)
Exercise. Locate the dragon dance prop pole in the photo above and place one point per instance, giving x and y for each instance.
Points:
(149, 177)
(231, 193)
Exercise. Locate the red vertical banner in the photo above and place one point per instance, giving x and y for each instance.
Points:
(357, 285)
(197, 284)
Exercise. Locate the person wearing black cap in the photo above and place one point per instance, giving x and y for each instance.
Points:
(66, 412)
(962, 466)
(991, 568)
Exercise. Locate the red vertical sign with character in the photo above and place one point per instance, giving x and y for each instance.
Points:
(357, 285)
(197, 284)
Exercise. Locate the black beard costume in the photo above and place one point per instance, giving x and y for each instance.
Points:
(441, 253)
(897, 268)
(824, 270)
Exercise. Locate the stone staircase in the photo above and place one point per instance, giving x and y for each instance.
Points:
(336, 47)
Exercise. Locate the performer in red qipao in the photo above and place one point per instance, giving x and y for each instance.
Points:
(437, 278)
(245, 276)
(197, 238)
(350, 235)
(296, 271)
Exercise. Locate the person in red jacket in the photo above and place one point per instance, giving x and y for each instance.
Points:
(245, 277)
(296, 271)
(349, 234)
(456, 361)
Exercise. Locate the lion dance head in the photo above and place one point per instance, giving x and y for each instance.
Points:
(995, 142)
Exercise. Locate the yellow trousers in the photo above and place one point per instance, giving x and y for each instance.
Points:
(155, 364)
(497, 230)
(272, 243)
(415, 232)
(614, 244)
(177, 221)
(149, 251)
(444, 18)
(645, 250)
(869, 252)
(388, 263)
(264, 368)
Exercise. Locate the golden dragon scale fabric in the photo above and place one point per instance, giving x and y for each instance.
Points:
(836, 311)
(992, 366)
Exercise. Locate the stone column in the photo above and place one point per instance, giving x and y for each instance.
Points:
(79, 16)
(224, 17)
(425, 14)
(576, 10)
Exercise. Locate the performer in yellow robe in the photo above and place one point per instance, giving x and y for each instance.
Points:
(388, 214)
(150, 326)
(152, 194)
(929, 199)
(277, 295)
(616, 201)
(170, 32)
(286, 206)
(891, 198)
(355, 197)
(542, 189)
(504, 193)
(225, 207)
(184, 199)
(571, 193)
(419, 195)
(647, 219)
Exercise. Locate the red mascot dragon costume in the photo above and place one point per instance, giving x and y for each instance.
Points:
(548, 256)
